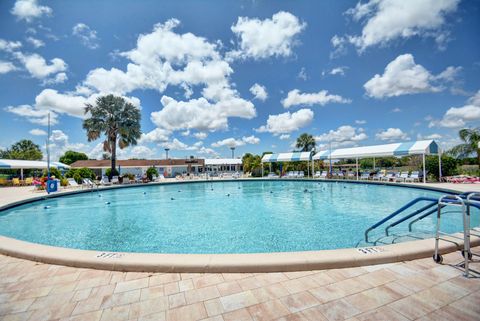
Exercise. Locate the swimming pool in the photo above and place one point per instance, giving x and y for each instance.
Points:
(218, 217)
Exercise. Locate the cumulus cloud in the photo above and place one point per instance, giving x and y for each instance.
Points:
(6, 67)
(284, 137)
(302, 74)
(88, 37)
(165, 58)
(360, 122)
(259, 39)
(287, 122)
(200, 114)
(38, 67)
(259, 92)
(9, 46)
(392, 134)
(457, 117)
(157, 135)
(37, 43)
(342, 136)
(385, 21)
(295, 98)
(336, 71)
(200, 135)
(33, 115)
(403, 76)
(431, 136)
(38, 132)
(29, 9)
(232, 142)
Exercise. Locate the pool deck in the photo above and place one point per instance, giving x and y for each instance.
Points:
(407, 290)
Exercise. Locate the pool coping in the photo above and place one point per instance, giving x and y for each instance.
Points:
(251, 262)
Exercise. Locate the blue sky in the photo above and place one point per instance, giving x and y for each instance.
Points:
(209, 75)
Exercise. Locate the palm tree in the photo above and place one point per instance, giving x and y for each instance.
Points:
(117, 119)
(305, 142)
(471, 145)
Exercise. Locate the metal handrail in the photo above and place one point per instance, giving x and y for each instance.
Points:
(433, 202)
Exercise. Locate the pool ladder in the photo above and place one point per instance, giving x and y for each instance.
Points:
(472, 199)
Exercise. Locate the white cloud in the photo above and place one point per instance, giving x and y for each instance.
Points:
(287, 122)
(295, 97)
(6, 67)
(431, 136)
(342, 136)
(259, 92)
(50, 99)
(456, 117)
(396, 110)
(33, 115)
(9, 46)
(37, 43)
(175, 144)
(163, 58)
(142, 152)
(284, 137)
(338, 71)
(200, 114)
(157, 135)
(232, 142)
(387, 20)
(88, 37)
(302, 74)
(392, 134)
(29, 9)
(39, 68)
(402, 77)
(200, 135)
(259, 39)
(360, 122)
(38, 132)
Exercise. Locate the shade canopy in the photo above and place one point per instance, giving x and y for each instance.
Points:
(287, 157)
(29, 164)
(422, 147)
(223, 161)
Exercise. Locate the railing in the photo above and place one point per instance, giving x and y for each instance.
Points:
(431, 208)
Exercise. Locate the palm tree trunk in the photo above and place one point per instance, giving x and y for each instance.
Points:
(478, 157)
(114, 157)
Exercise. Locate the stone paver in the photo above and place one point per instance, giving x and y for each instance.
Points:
(402, 291)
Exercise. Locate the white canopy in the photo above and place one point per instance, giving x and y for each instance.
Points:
(29, 164)
(423, 147)
(223, 161)
(287, 157)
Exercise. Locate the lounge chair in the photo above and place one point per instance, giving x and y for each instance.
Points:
(340, 175)
(72, 182)
(365, 175)
(402, 177)
(87, 183)
(414, 177)
(378, 176)
(388, 177)
(15, 182)
(105, 181)
(272, 175)
(126, 180)
(115, 180)
(351, 175)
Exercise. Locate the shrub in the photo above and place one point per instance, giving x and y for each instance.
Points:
(109, 170)
(53, 172)
(78, 173)
(63, 182)
(129, 175)
(449, 165)
(151, 171)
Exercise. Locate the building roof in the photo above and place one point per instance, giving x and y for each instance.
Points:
(138, 163)
(223, 161)
(29, 164)
(426, 147)
(287, 157)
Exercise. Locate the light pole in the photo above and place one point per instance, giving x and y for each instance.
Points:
(166, 152)
(233, 151)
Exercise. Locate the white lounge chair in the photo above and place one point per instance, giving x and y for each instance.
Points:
(340, 175)
(272, 175)
(87, 183)
(317, 174)
(365, 175)
(300, 174)
(72, 182)
(402, 177)
(389, 176)
(414, 177)
(377, 177)
(126, 180)
(115, 180)
(105, 181)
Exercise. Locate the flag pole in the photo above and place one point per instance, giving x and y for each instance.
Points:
(48, 152)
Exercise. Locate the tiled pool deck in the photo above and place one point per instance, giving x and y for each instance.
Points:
(412, 290)
(419, 289)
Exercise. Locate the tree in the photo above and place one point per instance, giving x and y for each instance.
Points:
(305, 142)
(471, 139)
(24, 149)
(71, 157)
(449, 165)
(115, 118)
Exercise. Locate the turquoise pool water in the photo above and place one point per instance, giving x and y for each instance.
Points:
(219, 217)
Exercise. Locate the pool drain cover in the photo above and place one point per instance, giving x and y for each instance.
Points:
(370, 250)
(106, 255)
